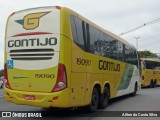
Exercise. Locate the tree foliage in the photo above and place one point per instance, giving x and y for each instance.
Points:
(147, 54)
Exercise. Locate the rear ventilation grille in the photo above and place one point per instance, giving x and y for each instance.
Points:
(32, 54)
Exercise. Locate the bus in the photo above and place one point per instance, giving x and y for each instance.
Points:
(55, 57)
(150, 72)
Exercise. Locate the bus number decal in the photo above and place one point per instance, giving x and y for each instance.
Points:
(84, 62)
(51, 76)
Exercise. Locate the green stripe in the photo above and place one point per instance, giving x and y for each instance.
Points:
(126, 78)
(18, 77)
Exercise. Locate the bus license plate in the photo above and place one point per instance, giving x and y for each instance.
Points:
(30, 97)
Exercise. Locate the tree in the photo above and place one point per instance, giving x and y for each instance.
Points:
(147, 54)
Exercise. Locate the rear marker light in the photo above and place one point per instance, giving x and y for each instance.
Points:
(55, 98)
(58, 7)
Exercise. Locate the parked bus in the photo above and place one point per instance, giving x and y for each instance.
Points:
(150, 72)
(54, 57)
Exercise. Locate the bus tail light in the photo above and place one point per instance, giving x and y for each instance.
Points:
(61, 82)
(58, 7)
(142, 77)
(7, 85)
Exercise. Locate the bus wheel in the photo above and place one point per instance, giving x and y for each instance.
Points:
(151, 84)
(94, 101)
(135, 90)
(104, 98)
(155, 83)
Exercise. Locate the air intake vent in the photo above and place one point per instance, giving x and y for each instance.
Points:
(32, 54)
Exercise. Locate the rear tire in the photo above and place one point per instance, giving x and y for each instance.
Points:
(135, 90)
(104, 98)
(155, 83)
(151, 84)
(94, 101)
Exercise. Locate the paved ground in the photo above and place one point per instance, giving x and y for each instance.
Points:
(147, 99)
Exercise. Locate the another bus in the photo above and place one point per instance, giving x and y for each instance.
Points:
(54, 57)
(150, 72)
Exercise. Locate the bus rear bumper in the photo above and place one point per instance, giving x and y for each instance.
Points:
(56, 99)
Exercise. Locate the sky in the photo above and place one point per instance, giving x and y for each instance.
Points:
(117, 16)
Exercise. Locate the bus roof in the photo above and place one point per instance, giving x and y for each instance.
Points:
(151, 59)
(29, 9)
(84, 19)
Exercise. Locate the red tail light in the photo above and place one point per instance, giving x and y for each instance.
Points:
(58, 7)
(142, 77)
(6, 77)
(61, 82)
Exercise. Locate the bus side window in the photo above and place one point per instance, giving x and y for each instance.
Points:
(77, 26)
(94, 40)
(74, 31)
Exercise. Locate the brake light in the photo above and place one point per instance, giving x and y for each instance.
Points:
(61, 82)
(142, 77)
(6, 77)
(58, 7)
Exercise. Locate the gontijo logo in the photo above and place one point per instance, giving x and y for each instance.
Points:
(31, 21)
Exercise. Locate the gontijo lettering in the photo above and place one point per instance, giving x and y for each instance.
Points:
(32, 42)
(110, 66)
